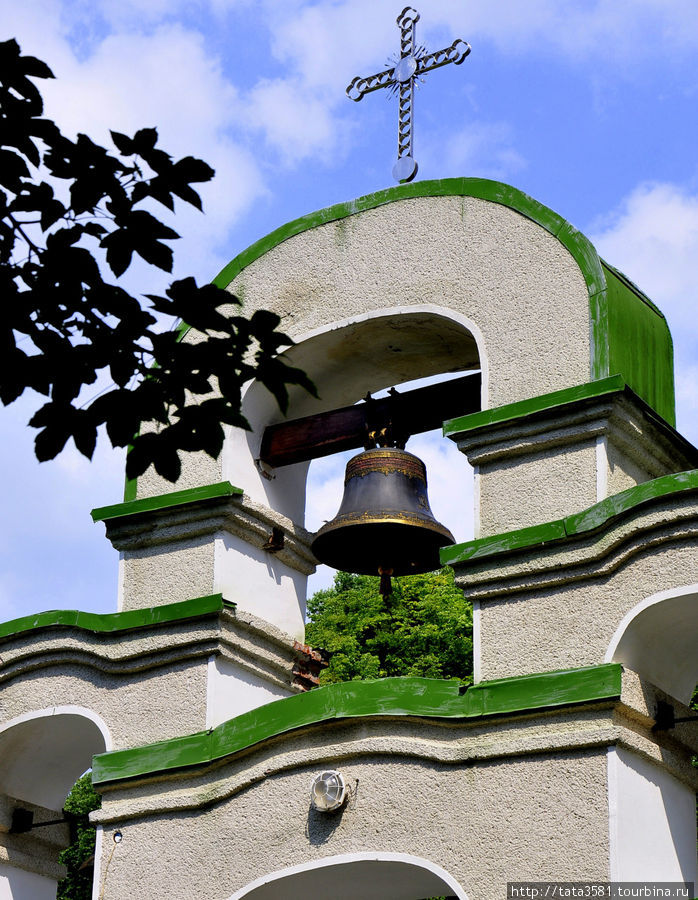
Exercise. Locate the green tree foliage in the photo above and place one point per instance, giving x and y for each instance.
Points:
(424, 628)
(70, 211)
(77, 885)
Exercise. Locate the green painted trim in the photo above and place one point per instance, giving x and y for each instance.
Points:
(130, 489)
(480, 188)
(106, 623)
(165, 501)
(628, 333)
(600, 516)
(640, 344)
(525, 408)
(423, 697)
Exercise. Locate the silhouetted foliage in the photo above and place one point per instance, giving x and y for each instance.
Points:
(71, 210)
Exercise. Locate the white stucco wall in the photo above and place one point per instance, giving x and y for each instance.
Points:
(16, 884)
(659, 639)
(478, 261)
(370, 876)
(43, 753)
(232, 691)
(652, 822)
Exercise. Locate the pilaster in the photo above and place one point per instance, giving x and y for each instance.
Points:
(558, 454)
(212, 539)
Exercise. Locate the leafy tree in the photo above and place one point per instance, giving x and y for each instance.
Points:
(69, 212)
(424, 628)
(77, 885)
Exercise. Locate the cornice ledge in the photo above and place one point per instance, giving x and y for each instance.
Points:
(423, 698)
(234, 513)
(469, 742)
(581, 557)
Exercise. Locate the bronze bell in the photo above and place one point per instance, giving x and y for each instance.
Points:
(384, 525)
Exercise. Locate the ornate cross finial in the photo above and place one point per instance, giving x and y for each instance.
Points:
(414, 62)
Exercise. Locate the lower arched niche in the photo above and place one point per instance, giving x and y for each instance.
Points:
(658, 640)
(371, 876)
(45, 752)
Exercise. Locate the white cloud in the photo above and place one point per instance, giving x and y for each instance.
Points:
(296, 123)
(482, 150)
(167, 78)
(326, 42)
(617, 32)
(653, 238)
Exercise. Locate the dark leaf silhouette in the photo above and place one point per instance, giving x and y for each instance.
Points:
(158, 393)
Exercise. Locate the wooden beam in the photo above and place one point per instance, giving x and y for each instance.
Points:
(347, 428)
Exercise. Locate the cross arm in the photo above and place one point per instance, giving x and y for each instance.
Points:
(456, 53)
(348, 428)
(361, 86)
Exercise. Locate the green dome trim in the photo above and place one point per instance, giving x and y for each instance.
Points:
(629, 334)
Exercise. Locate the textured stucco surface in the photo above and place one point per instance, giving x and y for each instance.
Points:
(485, 824)
(217, 545)
(146, 684)
(536, 608)
(168, 573)
(147, 706)
(482, 261)
(516, 493)
(29, 864)
(543, 466)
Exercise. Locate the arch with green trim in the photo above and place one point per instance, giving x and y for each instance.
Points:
(630, 335)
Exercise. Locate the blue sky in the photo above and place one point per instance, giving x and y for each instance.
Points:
(590, 106)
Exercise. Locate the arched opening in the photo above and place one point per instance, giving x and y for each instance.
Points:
(366, 353)
(43, 754)
(371, 876)
(369, 352)
(658, 638)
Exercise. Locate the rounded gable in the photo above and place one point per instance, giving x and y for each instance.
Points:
(558, 314)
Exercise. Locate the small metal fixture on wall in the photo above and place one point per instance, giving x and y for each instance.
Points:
(328, 791)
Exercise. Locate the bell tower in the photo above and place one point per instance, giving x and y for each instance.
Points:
(569, 758)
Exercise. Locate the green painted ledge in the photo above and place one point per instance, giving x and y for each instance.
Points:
(165, 501)
(629, 334)
(410, 696)
(524, 408)
(599, 516)
(536, 406)
(107, 623)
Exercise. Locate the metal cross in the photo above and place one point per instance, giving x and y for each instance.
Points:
(414, 62)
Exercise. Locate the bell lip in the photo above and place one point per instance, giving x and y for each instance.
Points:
(440, 537)
(398, 573)
(349, 520)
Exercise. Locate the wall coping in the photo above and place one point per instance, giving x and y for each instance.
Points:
(599, 517)
(165, 501)
(407, 696)
(107, 623)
